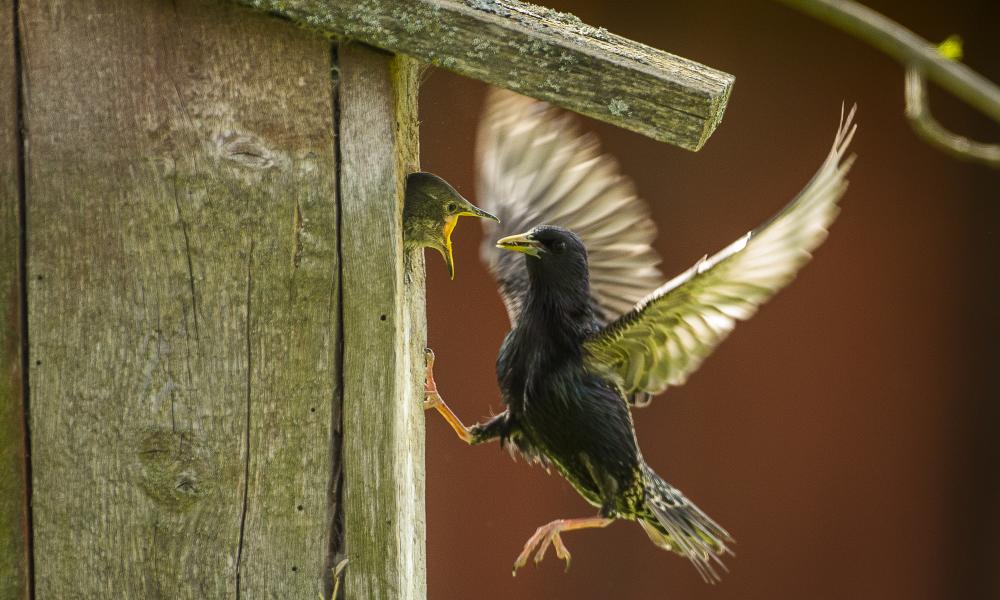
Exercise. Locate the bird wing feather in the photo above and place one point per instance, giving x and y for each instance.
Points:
(535, 167)
(667, 335)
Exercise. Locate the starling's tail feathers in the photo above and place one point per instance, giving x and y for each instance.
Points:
(674, 523)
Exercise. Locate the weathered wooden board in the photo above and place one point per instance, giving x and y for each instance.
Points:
(384, 330)
(13, 499)
(539, 52)
(183, 299)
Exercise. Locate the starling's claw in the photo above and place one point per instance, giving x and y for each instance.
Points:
(561, 551)
(429, 366)
(433, 399)
(539, 543)
(548, 534)
(431, 396)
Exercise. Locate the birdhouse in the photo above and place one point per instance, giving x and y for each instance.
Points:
(211, 351)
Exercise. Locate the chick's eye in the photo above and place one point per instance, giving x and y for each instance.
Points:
(450, 207)
(558, 246)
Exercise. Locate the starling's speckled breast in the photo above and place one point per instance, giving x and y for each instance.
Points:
(571, 419)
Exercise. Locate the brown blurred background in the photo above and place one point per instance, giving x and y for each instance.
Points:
(846, 434)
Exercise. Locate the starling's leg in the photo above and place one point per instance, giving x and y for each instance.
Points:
(432, 399)
(549, 534)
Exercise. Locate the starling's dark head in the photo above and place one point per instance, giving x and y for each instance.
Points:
(431, 211)
(553, 254)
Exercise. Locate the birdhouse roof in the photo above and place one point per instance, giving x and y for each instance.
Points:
(538, 52)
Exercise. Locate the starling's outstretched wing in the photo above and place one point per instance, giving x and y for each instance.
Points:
(536, 168)
(668, 334)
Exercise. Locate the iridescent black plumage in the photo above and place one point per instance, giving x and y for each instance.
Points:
(590, 338)
(563, 414)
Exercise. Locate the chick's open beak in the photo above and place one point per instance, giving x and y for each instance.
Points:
(449, 226)
(522, 242)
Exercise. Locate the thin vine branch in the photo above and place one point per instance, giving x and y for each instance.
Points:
(924, 124)
(922, 60)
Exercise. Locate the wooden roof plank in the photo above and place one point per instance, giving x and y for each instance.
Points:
(536, 51)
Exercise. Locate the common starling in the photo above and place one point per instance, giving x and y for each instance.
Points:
(588, 339)
(430, 212)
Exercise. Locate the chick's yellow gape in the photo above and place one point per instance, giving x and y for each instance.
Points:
(430, 213)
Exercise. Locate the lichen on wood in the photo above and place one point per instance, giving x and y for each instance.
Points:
(539, 52)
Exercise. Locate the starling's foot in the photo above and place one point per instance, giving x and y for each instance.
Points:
(432, 399)
(429, 383)
(539, 543)
(548, 534)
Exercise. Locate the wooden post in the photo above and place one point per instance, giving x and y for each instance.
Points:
(183, 300)
(14, 542)
(384, 329)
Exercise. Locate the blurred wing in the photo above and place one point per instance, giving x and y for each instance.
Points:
(535, 167)
(669, 333)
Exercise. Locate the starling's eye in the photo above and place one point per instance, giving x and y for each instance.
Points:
(558, 246)
(450, 207)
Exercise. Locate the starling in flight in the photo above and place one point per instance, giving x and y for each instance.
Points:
(593, 331)
(430, 212)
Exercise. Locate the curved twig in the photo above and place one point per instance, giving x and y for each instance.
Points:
(922, 60)
(923, 123)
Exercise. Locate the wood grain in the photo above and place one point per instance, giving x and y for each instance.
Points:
(384, 330)
(182, 271)
(13, 496)
(539, 52)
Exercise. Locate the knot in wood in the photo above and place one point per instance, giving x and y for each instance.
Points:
(245, 150)
(174, 469)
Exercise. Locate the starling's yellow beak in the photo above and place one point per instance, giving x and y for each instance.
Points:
(449, 226)
(522, 242)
